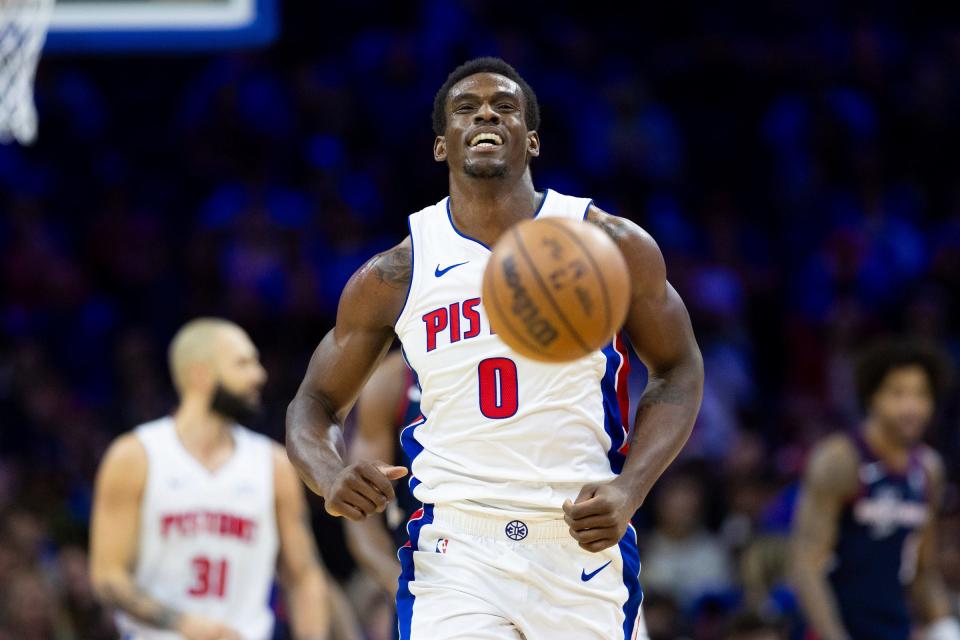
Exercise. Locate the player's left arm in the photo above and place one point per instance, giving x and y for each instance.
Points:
(300, 572)
(928, 590)
(659, 329)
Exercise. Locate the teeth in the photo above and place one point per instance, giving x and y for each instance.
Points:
(486, 137)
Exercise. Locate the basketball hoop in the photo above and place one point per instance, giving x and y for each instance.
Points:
(23, 28)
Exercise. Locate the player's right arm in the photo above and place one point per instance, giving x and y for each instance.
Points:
(928, 590)
(369, 541)
(829, 481)
(338, 369)
(114, 533)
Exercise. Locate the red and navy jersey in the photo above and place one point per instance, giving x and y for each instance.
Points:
(407, 412)
(876, 551)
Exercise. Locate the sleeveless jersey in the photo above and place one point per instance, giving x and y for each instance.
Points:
(499, 431)
(208, 540)
(876, 550)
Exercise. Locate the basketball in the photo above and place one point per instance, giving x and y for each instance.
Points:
(555, 289)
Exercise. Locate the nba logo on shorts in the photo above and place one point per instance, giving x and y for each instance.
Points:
(516, 530)
(442, 545)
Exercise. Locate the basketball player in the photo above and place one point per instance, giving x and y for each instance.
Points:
(527, 490)
(389, 401)
(190, 510)
(866, 519)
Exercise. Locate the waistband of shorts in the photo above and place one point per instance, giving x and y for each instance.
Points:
(506, 528)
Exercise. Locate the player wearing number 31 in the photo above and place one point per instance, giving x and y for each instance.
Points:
(525, 469)
(192, 511)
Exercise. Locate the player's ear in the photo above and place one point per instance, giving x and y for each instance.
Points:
(440, 149)
(199, 376)
(533, 143)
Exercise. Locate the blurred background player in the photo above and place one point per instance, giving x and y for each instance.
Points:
(191, 510)
(389, 402)
(866, 520)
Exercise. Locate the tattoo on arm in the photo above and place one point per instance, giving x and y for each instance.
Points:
(612, 226)
(660, 391)
(393, 267)
(140, 606)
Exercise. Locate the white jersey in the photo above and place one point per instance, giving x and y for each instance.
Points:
(500, 431)
(208, 540)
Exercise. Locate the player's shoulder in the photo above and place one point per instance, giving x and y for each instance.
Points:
(127, 448)
(376, 291)
(621, 229)
(836, 448)
(643, 255)
(124, 465)
(390, 267)
(133, 445)
(932, 463)
(833, 463)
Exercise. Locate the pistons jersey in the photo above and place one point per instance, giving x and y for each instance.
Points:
(500, 432)
(877, 544)
(208, 540)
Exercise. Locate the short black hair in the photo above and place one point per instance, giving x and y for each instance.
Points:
(886, 354)
(486, 64)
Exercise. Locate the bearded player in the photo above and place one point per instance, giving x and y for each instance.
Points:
(864, 534)
(192, 511)
(527, 489)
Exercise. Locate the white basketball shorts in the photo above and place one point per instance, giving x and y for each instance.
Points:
(493, 578)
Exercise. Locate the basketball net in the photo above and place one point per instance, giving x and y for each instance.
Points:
(23, 28)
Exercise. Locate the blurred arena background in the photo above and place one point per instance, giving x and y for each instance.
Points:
(797, 164)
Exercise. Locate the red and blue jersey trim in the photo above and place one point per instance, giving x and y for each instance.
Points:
(616, 400)
(411, 447)
(420, 518)
(631, 578)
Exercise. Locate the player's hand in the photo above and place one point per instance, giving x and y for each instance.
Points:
(194, 627)
(599, 516)
(361, 489)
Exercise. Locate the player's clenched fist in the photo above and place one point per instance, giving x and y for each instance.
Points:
(361, 489)
(194, 627)
(599, 516)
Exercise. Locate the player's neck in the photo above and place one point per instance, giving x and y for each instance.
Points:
(485, 208)
(890, 451)
(205, 434)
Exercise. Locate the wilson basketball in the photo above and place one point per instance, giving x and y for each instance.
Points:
(555, 289)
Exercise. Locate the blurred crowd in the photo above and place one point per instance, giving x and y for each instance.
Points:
(797, 166)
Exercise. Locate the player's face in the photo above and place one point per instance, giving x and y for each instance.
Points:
(238, 367)
(903, 405)
(486, 135)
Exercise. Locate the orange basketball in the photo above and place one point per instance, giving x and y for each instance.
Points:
(555, 289)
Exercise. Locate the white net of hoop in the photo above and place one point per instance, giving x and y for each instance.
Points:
(23, 28)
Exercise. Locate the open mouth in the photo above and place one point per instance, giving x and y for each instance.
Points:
(486, 140)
